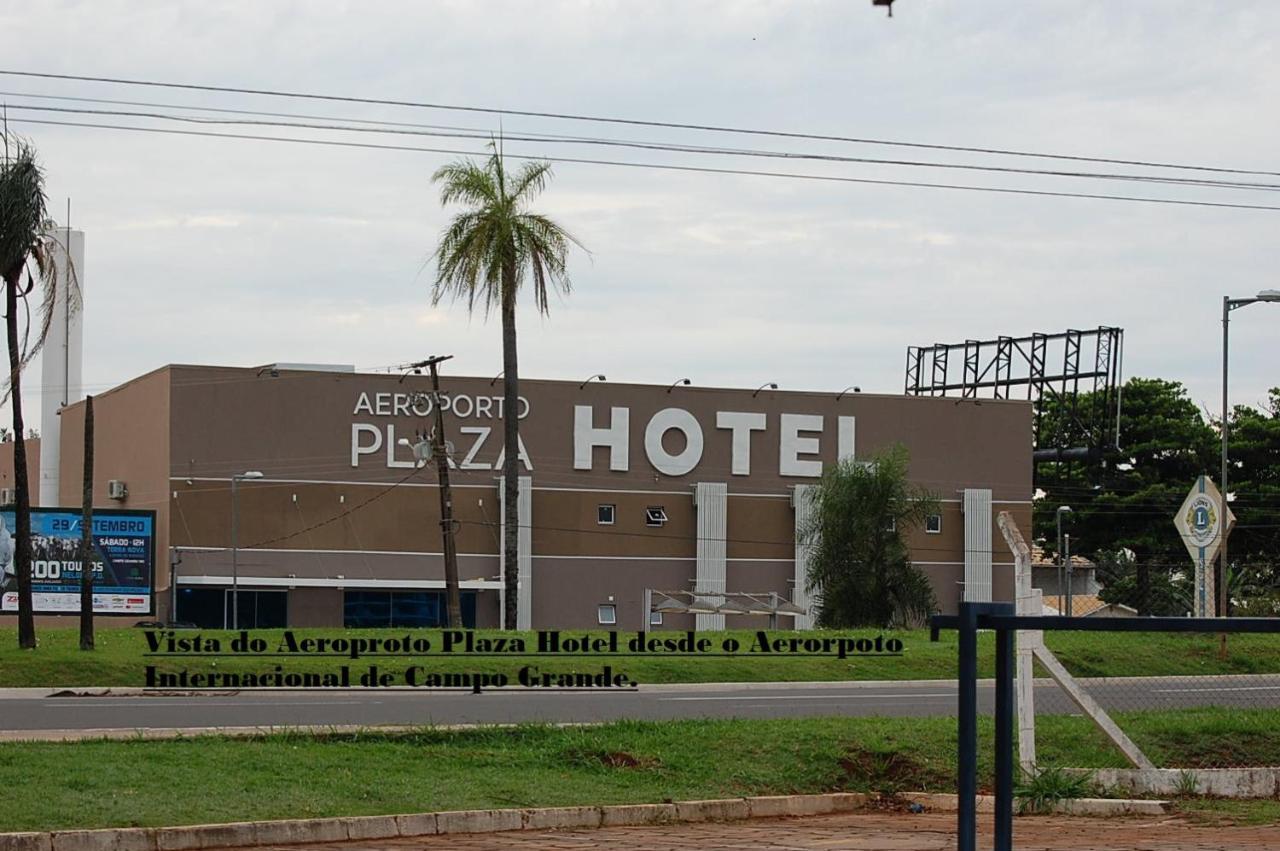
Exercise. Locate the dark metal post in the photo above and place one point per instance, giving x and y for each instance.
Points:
(1223, 529)
(967, 729)
(1004, 739)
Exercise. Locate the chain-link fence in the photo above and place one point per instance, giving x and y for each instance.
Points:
(1196, 694)
(1181, 700)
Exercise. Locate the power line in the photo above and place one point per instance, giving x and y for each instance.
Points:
(659, 166)
(561, 116)
(542, 138)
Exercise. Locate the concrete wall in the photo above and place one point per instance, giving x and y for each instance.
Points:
(33, 466)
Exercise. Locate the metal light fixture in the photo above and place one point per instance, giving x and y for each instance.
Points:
(771, 385)
(685, 381)
(855, 388)
(496, 377)
(235, 533)
(1062, 509)
(1229, 304)
(597, 377)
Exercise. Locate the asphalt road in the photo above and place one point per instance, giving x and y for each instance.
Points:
(26, 712)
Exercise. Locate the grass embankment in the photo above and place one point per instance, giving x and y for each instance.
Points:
(120, 658)
(211, 779)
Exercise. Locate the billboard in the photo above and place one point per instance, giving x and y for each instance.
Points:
(123, 562)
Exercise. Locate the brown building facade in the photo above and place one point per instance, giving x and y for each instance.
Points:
(624, 488)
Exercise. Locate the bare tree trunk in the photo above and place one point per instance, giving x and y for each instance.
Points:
(86, 533)
(511, 442)
(22, 508)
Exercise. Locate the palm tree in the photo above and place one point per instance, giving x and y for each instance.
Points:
(484, 256)
(25, 238)
(860, 568)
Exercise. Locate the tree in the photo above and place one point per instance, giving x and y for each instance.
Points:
(485, 255)
(1255, 484)
(1127, 502)
(86, 532)
(860, 569)
(25, 238)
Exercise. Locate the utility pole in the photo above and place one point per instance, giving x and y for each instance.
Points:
(453, 599)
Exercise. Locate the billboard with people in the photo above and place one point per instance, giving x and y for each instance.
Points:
(123, 561)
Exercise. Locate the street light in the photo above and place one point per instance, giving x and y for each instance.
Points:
(855, 388)
(771, 385)
(1062, 509)
(597, 377)
(1229, 304)
(684, 381)
(235, 563)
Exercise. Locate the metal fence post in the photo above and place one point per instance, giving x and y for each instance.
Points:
(1004, 739)
(967, 729)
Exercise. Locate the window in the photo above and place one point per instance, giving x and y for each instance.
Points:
(375, 609)
(892, 525)
(604, 514)
(607, 613)
(655, 515)
(933, 524)
(215, 608)
(655, 618)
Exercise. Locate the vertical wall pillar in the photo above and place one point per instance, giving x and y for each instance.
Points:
(977, 545)
(800, 593)
(60, 362)
(524, 548)
(711, 501)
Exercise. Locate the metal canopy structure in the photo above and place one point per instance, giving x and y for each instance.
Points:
(1076, 373)
(723, 603)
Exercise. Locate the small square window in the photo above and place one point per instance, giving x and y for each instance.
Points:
(933, 524)
(607, 613)
(655, 515)
(655, 618)
(605, 514)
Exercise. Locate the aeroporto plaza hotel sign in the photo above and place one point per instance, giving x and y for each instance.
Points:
(478, 440)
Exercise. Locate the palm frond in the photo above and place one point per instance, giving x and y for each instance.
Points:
(27, 238)
(496, 242)
(530, 181)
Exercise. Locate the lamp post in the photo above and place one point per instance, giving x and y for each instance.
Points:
(1062, 509)
(235, 543)
(1229, 304)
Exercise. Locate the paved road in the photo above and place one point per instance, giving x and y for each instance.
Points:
(768, 700)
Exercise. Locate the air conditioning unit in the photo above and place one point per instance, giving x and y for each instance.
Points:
(8, 497)
(117, 489)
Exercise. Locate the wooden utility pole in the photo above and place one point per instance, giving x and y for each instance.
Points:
(453, 598)
(86, 533)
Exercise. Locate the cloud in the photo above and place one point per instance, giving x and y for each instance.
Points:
(206, 250)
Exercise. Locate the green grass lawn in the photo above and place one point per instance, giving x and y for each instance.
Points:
(1221, 811)
(119, 659)
(213, 779)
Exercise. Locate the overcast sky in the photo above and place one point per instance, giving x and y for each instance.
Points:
(237, 252)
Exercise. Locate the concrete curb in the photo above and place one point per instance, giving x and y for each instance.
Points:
(359, 828)
(942, 803)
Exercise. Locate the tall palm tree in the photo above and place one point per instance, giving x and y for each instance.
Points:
(25, 238)
(484, 256)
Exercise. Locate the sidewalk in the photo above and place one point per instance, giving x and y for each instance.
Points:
(857, 832)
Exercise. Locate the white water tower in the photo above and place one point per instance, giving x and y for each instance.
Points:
(61, 360)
